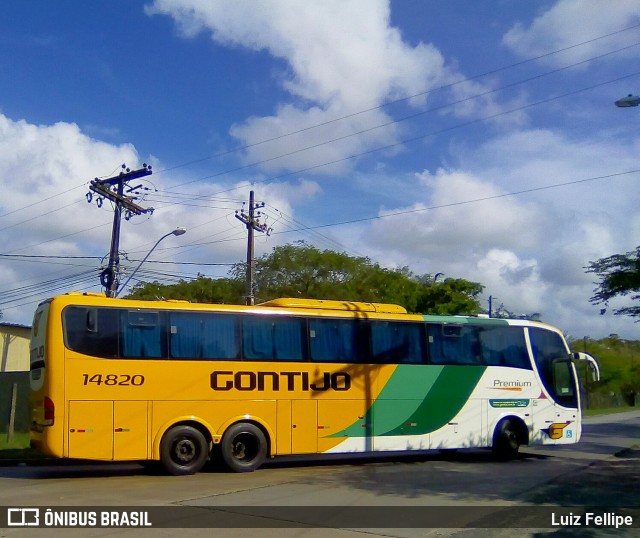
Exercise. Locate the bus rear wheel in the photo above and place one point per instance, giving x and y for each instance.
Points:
(183, 450)
(243, 447)
(506, 440)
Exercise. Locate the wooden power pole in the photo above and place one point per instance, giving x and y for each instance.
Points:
(251, 221)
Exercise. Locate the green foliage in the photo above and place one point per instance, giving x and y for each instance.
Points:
(620, 364)
(199, 290)
(452, 296)
(302, 270)
(619, 276)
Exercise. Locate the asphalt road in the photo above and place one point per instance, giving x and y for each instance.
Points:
(465, 487)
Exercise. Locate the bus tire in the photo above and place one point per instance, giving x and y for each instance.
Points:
(183, 450)
(243, 447)
(506, 440)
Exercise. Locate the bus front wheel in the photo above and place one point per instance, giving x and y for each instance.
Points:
(243, 447)
(184, 450)
(506, 441)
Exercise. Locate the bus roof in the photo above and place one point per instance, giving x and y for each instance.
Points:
(346, 306)
(281, 303)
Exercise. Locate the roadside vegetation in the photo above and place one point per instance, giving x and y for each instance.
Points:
(620, 362)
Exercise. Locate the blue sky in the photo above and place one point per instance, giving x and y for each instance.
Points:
(474, 139)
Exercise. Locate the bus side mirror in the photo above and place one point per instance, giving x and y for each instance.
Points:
(592, 362)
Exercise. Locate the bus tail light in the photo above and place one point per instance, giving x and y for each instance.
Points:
(49, 411)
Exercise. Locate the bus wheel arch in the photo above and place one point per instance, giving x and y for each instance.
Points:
(185, 448)
(509, 434)
(244, 446)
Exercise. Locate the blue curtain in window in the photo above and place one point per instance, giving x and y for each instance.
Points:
(258, 339)
(197, 335)
(504, 346)
(288, 340)
(185, 335)
(333, 340)
(453, 345)
(140, 340)
(220, 337)
(272, 339)
(396, 342)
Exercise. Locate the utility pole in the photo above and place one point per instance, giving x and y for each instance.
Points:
(252, 223)
(113, 189)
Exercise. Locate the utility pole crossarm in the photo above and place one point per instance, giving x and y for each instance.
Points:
(112, 188)
(100, 190)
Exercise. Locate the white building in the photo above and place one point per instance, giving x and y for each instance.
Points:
(14, 347)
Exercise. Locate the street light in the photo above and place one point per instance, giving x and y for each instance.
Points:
(178, 231)
(629, 100)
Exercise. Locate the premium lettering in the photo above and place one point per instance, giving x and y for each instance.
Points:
(511, 384)
(224, 380)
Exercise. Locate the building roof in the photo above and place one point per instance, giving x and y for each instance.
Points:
(17, 325)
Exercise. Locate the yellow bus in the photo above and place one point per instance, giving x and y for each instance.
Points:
(181, 383)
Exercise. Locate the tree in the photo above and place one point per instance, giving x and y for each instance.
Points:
(200, 290)
(619, 276)
(452, 296)
(302, 270)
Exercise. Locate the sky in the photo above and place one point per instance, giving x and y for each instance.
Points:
(475, 139)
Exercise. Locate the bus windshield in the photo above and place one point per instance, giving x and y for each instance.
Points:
(555, 366)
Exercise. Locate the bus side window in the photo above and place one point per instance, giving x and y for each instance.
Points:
(397, 342)
(453, 344)
(504, 346)
(335, 340)
(200, 335)
(272, 338)
(142, 334)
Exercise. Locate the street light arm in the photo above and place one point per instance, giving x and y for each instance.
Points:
(629, 100)
(177, 231)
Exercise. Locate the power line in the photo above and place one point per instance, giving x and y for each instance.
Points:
(475, 200)
(389, 146)
(403, 99)
(438, 132)
(334, 120)
(303, 227)
(396, 121)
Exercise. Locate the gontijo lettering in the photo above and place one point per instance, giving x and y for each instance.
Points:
(289, 381)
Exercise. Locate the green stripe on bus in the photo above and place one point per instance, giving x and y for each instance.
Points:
(426, 398)
(443, 402)
(460, 320)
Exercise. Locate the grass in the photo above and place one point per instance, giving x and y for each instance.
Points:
(18, 449)
(19, 441)
(609, 410)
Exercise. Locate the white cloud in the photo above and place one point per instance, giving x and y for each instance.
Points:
(344, 57)
(458, 215)
(44, 175)
(529, 250)
(337, 50)
(39, 163)
(569, 22)
(507, 277)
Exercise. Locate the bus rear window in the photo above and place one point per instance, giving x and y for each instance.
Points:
(91, 331)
